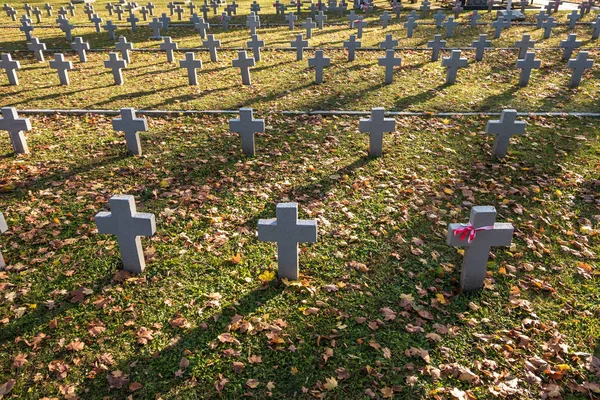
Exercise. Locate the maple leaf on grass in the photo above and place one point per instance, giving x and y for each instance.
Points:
(117, 379)
(330, 383)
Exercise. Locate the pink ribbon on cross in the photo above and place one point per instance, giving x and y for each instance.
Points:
(470, 232)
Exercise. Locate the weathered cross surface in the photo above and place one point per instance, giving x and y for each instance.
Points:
(488, 234)
(548, 25)
(15, 126)
(127, 225)
(3, 228)
(352, 44)
(299, 44)
(376, 126)
(212, 44)
(480, 46)
(309, 26)
(454, 62)
(287, 230)
(168, 46)
(38, 49)
(450, 24)
(80, 47)
(291, 18)
(389, 62)
(410, 25)
(504, 129)
(523, 45)
(319, 61)
(569, 45)
(124, 47)
(10, 66)
(116, 65)
(526, 64)
(388, 43)
(191, 64)
(62, 67)
(579, 65)
(255, 45)
(243, 62)
(156, 26)
(131, 125)
(247, 126)
(436, 44)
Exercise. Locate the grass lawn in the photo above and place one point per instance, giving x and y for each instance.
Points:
(377, 312)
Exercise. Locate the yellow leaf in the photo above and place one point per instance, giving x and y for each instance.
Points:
(236, 259)
(558, 192)
(266, 276)
(294, 371)
(448, 191)
(563, 367)
(440, 298)
(502, 271)
(330, 383)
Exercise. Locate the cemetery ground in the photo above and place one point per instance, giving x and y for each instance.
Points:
(377, 311)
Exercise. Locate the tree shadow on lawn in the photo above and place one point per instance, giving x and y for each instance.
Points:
(128, 96)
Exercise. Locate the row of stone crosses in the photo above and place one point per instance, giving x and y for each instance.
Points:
(478, 235)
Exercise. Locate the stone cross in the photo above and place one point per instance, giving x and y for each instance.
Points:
(211, 44)
(523, 45)
(133, 20)
(351, 18)
(255, 45)
(457, 9)
(499, 24)
(80, 47)
(202, 27)
(247, 126)
(569, 45)
(155, 25)
(144, 11)
(110, 28)
(48, 9)
(291, 18)
(319, 61)
(526, 64)
(150, 8)
(109, 7)
(71, 9)
(127, 225)
(474, 17)
(309, 25)
(12, 13)
(124, 47)
(488, 234)
(168, 46)
(579, 65)
(540, 17)
(192, 7)
(352, 44)
(424, 8)
(548, 25)
(396, 8)
(63, 67)
(439, 17)
(480, 45)
(194, 19)
(449, 24)
(191, 64)
(171, 7)
(504, 129)
(388, 43)
(179, 11)
(436, 44)
(10, 66)
(62, 12)
(204, 9)
(243, 62)
(320, 18)
(596, 28)
(3, 228)
(234, 7)
(377, 125)
(38, 14)
(299, 44)
(549, 7)
(15, 126)
(389, 62)
(96, 20)
(66, 27)
(38, 49)
(27, 9)
(360, 24)
(454, 62)
(410, 25)
(25, 20)
(131, 125)
(252, 22)
(287, 230)
(88, 10)
(384, 19)
(573, 18)
(26, 28)
(165, 21)
(116, 65)
(313, 9)
(214, 6)
(225, 21)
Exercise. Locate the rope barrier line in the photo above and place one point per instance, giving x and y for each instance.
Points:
(306, 112)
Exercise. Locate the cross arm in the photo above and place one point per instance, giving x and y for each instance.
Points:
(306, 231)
(267, 230)
(103, 222)
(143, 224)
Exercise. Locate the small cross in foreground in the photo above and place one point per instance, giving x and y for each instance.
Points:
(127, 225)
(287, 230)
(377, 125)
(478, 236)
(504, 129)
(247, 126)
(15, 126)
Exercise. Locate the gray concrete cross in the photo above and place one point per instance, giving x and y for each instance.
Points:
(425, 6)
(3, 228)
(579, 65)
(111, 29)
(66, 27)
(596, 28)
(26, 28)
(12, 13)
(299, 44)
(388, 43)
(255, 7)
(171, 7)
(573, 18)
(168, 46)
(291, 18)
(570, 44)
(436, 44)
(376, 126)
(410, 25)
(194, 19)
(247, 126)
(523, 45)
(156, 26)
(202, 27)
(319, 62)
(127, 225)
(320, 18)
(131, 125)
(116, 65)
(243, 62)
(480, 45)
(439, 17)
(38, 49)
(287, 230)
(352, 44)
(150, 7)
(540, 18)
(133, 20)
(488, 234)
(96, 20)
(499, 24)
(144, 11)
(110, 8)
(473, 18)
(449, 24)
(62, 67)
(191, 64)
(124, 47)
(192, 7)
(384, 19)
(359, 25)
(80, 47)
(212, 44)
(548, 25)
(504, 129)
(457, 9)
(255, 45)
(526, 64)
(165, 21)
(62, 12)
(225, 21)
(71, 7)
(252, 22)
(454, 62)
(25, 20)
(389, 62)
(179, 11)
(204, 9)
(38, 14)
(352, 17)
(48, 9)
(309, 26)
(15, 126)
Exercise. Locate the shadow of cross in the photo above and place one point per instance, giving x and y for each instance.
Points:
(504, 128)
(131, 125)
(127, 225)
(287, 230)
(10, 66)
(376, 126)
(478, 236)
(15, 126)
(3, 228)
(246, 126)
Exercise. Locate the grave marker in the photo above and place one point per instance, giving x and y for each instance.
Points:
(3, 228)
(436, 44)
(449, 24)
(243, 62)
(38, 14)
(410, 25)
(62, 67)
(523, 45)
(48, 9)
(309, 26)
(320, 18)
(10, 66)
(96, 20)
(26, 28)
(351, 44)
(526, 64)
(384, 19)
(376, 126)
(388, 43)
(133, 20)
(38, 49)
(480, 46)
(360, 24)
(247, 126)
(255, 45)
(291, 18)
(15, 126)
(116, 65)
(150, 8)
(439, 17)
(202, 27)
(165, 21)
(80, 47)
(155, 25)
(211, 44)
(454, 62)
(504, 129)
(168, 46)
(548, 25)
(596, 28)
(191, 64)
(299, 44)
(131, 125)
(573, 18)
(473, 18)
(110, 28)
(124, 47)
(579, 65)
(570, 44)
(319, 62)
(540, 18)
(389, 62)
